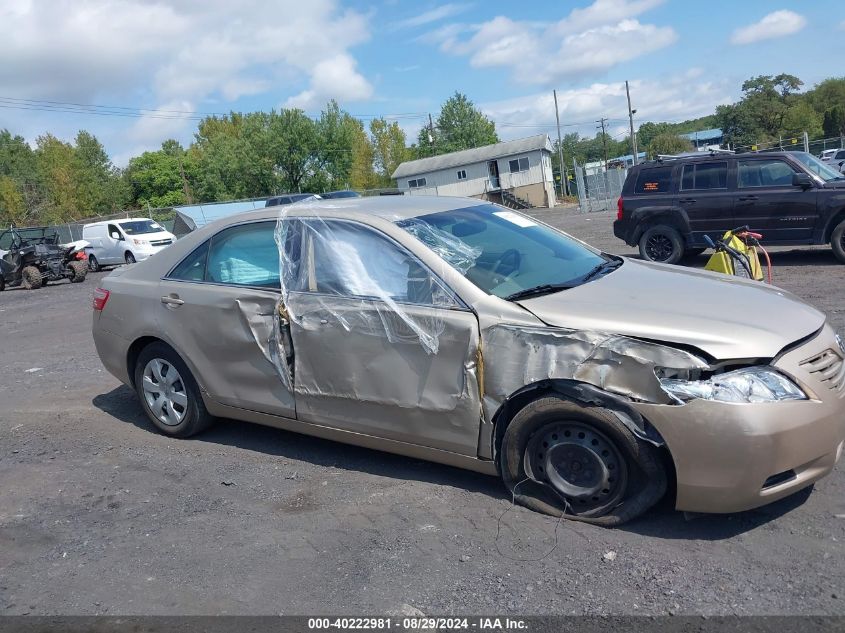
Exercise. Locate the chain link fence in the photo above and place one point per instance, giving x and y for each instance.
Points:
(598, 190)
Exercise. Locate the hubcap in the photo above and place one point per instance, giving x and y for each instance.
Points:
(581, 464)
(659, 247)
(165, 392)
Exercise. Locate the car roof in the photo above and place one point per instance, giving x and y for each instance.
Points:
(390, 208)
(709, 156)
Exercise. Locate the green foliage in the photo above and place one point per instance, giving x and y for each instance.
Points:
(667, 144)
(388, 141)
(834, 121)
(460, 125)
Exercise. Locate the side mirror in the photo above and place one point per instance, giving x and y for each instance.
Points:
(116, 236)
(802, 180)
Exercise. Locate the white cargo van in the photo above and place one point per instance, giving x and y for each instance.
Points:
(124, 241)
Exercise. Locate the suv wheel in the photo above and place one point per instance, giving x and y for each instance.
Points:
(837, 241)
(662, 243)
(561, 458)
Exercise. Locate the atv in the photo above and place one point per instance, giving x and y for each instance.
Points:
(33, 256)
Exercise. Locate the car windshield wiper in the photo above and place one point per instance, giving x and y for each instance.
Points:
(604, 267)
(536, 291)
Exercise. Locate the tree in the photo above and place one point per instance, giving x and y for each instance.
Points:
(834, 121)
(155, 178)
(361, 173)
(460, 125)
(389, 151)
(12, 207)
(668, 144)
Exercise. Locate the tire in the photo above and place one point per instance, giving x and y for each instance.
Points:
(129, 257)
(837, 241)
(661, 243)
(93, 264)
(31, 278)
(79, 270)
(620, 476)
(194, 417)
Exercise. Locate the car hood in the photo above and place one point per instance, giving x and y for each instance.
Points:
(726, 317)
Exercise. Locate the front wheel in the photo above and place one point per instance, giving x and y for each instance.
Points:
(130, 258)
(560, 458)
(837, 241)
(661, 243)
(31, 278)
(93, 264)
(168, 392)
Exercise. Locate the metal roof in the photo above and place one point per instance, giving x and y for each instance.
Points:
(704, 135)
(197, 215)
(475, 155)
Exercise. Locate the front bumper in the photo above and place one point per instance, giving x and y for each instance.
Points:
(734, 457)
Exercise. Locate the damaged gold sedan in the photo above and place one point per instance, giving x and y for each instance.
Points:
(464, 333)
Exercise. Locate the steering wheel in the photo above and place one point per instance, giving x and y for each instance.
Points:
(513, 265)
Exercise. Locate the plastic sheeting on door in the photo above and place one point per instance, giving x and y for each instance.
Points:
(340, 258)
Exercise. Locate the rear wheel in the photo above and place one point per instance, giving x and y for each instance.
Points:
(837, 241)
(168, 392)
(78, 271)
(130, 258)
(560, 458)
(93, 264)
(31, 278)
(661, 243)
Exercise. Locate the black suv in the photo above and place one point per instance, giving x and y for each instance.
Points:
(668, 205)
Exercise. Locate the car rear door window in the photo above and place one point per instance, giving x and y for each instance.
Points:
(766, 172)
(710, 175)
(654, 180)
(245, 255)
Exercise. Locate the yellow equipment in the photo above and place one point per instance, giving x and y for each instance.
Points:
(736, 254)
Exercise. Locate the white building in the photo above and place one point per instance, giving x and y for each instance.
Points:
(521, 168)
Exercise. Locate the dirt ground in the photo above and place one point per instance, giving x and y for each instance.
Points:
(101, 515)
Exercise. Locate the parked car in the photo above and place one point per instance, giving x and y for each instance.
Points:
(461, 332)
(346, 193)
(289, 198)
(834, 157)
(668, 206)
(32, 257)
(124, 241)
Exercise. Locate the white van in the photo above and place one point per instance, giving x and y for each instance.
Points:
(124, 241)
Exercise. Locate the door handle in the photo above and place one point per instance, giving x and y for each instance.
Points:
(171, 301)
(747, 198)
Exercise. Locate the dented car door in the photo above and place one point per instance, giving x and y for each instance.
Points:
(381, 346)
(219, 305)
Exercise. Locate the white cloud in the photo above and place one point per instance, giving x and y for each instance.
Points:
(434, 15)
(588, 40)
(676, 98)
(776, 24)
(168, 52)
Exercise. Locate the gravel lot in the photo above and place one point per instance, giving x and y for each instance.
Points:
(101, 515)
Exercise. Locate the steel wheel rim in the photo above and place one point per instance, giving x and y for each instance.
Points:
(581, 464)
(659, 247)
(164, 392)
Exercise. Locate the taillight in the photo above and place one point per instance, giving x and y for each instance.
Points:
(100, 298)
(619, 209)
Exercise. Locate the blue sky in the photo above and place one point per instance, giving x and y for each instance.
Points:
(165, 63)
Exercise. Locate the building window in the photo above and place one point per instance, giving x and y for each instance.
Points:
(462, 174)
(518, 164)
(416, 183)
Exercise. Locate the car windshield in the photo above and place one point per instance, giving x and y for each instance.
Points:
(139, 227)
(820, 169)
(503, 252)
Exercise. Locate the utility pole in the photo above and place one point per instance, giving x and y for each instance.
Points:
(631, 119)
(185, 187)
(806, 142)
(564, 189)
(430, 130)
(602, 121)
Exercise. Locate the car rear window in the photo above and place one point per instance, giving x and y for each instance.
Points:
(705, 176)
(654, 180)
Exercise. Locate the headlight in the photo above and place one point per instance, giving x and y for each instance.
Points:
(752, 384)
